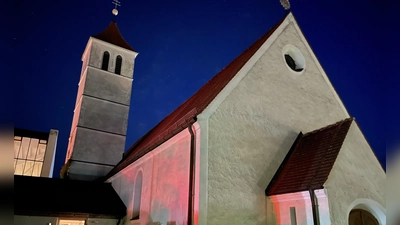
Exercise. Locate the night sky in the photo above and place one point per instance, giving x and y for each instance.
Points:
(181, 45)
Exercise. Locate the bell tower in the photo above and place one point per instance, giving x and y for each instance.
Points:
(98, 132)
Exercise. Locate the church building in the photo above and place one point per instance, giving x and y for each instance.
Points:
(266, 141)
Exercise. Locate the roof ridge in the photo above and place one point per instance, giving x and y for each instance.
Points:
(329, 126)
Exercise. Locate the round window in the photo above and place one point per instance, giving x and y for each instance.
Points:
(293, 58)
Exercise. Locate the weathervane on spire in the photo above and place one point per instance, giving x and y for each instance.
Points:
(115, 10)
(285, 4)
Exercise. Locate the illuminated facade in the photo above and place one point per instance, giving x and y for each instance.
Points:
(233, 153)
(34, 152)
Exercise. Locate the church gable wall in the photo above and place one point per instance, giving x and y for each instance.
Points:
(356, 175)
(252, 130)
(165, 184)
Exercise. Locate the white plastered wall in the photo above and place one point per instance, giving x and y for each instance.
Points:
(165, 182)
(357, 180)
(253, 123)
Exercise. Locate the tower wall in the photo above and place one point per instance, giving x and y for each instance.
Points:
(98, 132)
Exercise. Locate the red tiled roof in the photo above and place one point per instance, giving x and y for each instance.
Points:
(310, 160)
(186, 113)
(112, 35)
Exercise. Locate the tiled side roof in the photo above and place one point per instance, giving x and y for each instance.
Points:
(112, 35)
(186, 113)
(310, 160)
(40, 196)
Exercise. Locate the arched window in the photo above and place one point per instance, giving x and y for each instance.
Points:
(118, 65)
(137, 196)
(106, 59)
(362, 217)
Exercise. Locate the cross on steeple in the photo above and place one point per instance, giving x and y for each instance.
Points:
(115, 10)
(285, 4)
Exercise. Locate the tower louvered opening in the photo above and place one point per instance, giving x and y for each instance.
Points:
(118, 65)
(106, 59)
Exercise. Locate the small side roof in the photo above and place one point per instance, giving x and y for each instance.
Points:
(310, 160)
(187, 112)
(113, 36)
(41, 196)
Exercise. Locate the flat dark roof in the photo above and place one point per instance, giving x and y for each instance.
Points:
(31, 133)
(41, 196)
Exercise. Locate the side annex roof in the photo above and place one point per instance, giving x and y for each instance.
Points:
(310, 160)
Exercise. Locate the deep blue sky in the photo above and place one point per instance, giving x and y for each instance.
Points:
(181, 45)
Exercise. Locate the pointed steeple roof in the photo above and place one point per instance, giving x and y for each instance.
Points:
(112, 35)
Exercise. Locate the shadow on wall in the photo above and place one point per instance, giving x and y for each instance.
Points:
(159, 212)
(272, 166)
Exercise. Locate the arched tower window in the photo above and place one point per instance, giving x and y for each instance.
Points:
(137, 196)
(106, 59)
(118, 65)
(362, 217)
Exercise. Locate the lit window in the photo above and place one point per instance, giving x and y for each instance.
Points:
(106, 59)
(37, 168)
(28, 168)
(40, 153)
(17, 146)
(23, 150)
(28, 156)
(118, 65)
(71, 222)
(32, 149)
(19, 167)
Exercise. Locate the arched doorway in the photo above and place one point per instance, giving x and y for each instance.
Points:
(362, 217)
